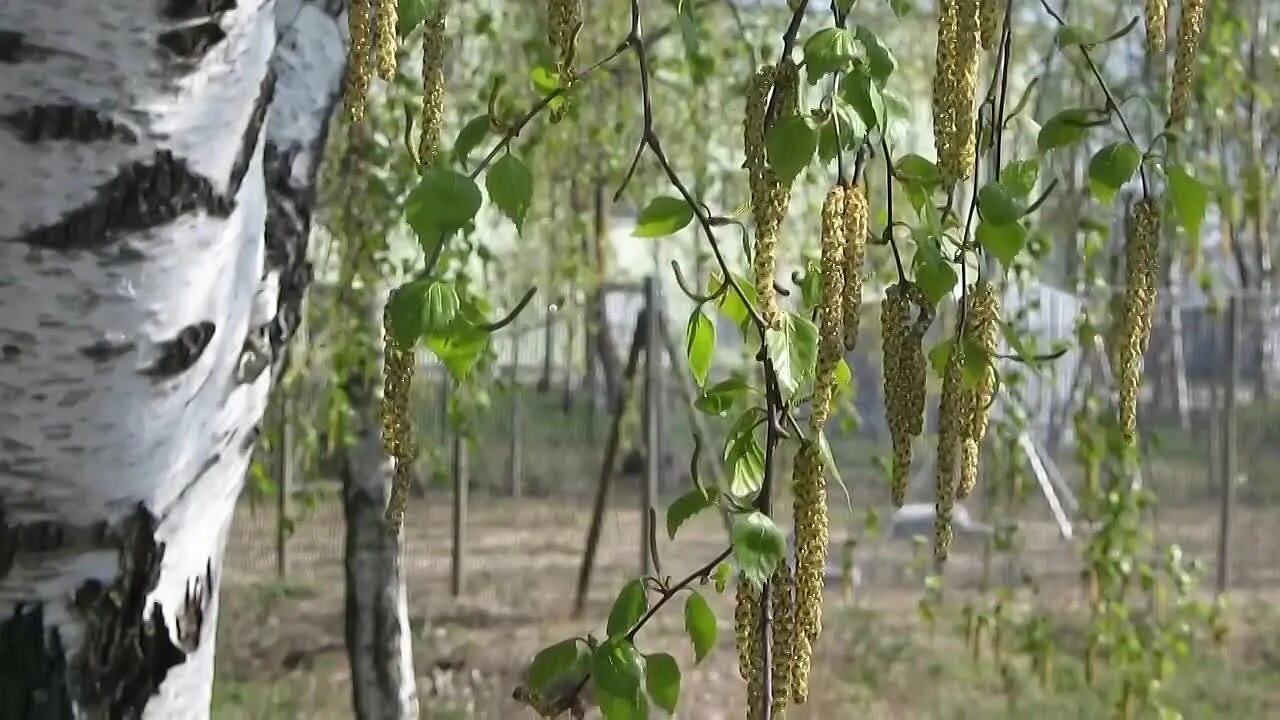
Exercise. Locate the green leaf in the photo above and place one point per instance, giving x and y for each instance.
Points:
(1065, 128)
(700, 624)
(998, 206)
(917, 168)
(1111, 167)
(544, 79)
(844, 376)
(1002, 241)
(700, 345)
(721, 576)
(439, 308)
(566, 658)
(852, 130)
(880, 59)
(758, 545)
(510, 186)
(1190, 198)
(720, 398)
(409, 14)
(443, 202)
(940, 355)
(613, 707)
(459, 348)
(826, 51)
(685, 507)
(662, 678)
(405, 307)
(470, 137)
(748, 467)
(860, 90)
(1069, 35)
(617, 668)
(731, 305)
(1019, 177)
(663, 216)
(628, 608)
(790, 145)
(935, 276)
(793, 348)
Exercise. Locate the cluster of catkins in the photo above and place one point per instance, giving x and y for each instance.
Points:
(796, 596)
(962, 27)
(397, 431)
(372, 26)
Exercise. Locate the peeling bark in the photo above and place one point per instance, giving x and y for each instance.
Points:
(140, 282)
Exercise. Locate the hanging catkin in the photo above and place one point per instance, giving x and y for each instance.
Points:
(1156, 17)
(782, 589)
(1141, 258)
(360, 28)
(855, 248)
(746, 632)
(1190, 26)
(950, 437)
(904, 375)
(433, 51)
(943, 108)
(387, 20)
(564, 22)
(961, 94)
(770, 195)
(981, 323)
(397, 432)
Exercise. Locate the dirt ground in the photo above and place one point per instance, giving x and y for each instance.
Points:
(280, 641)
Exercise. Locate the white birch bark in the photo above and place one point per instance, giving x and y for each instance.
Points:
(139, 301)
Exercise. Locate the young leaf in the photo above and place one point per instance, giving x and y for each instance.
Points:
(1003, 241)
(852, 130)
(862, 92)
(617, 668)
(917, 168)
(844, 376)
(443, 202)
(748, 468)
(997, 205)
(880, 59)
(470, 137)
(633, 707)
(719, 398)
(1111, 167)
(662, 678)
(663, 216)
(439, 308)
(628, 608)
(409, 14)
(790, 145)
(566, 658)
(940, 355)
(700, 624)
(935, 276)
(510, 186)
(685, 507)
(1065, 128)
(700, 345)
(459, 348)
(1069, 35)
(721, 576)
(405, 306)
(826, 51)
(1190, 198)
(793, 348)
(1019, 177)
(758, 545)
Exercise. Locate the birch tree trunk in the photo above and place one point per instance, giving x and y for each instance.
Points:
(379, 641)
(154, 208)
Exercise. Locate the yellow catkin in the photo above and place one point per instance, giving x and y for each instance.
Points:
(981, 328)
(564, 22)
(433, 51)
(904, 375)
(360, 28)
(397, 432)
(951, 423)
(992, 14)
(801, 664)
(960, 93)
(769, 194)
(386, 40)
(831, 308)
(1190, 26)
(782, 601)
(1141, 258)
(746, 624)
(943, 110)
(855, 248)
(1156, 17)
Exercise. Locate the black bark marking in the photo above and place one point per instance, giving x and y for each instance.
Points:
(288, 220)
(104, 351)
(33, 681)
(9, 352)
(180, 353)
(14, 49)
(192, 9)
(252, 131)
(65, 121)
(191, 42)
(143, 195)
(47, 536)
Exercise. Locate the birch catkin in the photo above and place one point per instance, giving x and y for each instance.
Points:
(1157, 20)
(950, 438)
(746, 632)
(397, 430)
(1190, 26)
(770, 195)
(564, 22)
(360, 28)
(944, 62)
(782, 589)
(962, 93)
(433, 52)
(904, 375)
(981, 327)
(387, 20)
(1141, 259)
(855, 247)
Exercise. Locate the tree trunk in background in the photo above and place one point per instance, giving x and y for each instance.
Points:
(379, 641)
(159, 162)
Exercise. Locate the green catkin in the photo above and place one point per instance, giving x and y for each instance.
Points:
(1141, 259)
(950, 436)
(359, 27)
(981, 327)
(433, 51)
(904, 375)
(564, 22)
(387, 21)
(397, 430)
(855, 248)
(1157, 19)
(782, 589)
(1190, 27)
(961, 94)
(943, 108)
(746, 624)
(770, 195)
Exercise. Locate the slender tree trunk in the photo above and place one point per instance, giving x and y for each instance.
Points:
(159, 159)
(379, 641)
